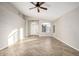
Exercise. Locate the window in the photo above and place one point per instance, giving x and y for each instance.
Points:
(46, 27)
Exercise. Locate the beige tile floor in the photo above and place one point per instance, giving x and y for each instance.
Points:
(39, 46)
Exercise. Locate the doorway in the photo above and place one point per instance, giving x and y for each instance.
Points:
(34, 28)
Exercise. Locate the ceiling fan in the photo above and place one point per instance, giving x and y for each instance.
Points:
(38, 6)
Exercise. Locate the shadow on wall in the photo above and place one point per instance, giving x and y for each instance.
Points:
(15, 35)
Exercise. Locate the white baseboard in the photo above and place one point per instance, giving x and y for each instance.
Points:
(65, 42)
(4, 47)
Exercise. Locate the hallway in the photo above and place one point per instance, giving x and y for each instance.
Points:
(39, 46)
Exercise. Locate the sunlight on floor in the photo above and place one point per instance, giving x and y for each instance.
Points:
(15, 35)
(21, 33)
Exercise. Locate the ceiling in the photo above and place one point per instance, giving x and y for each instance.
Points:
(55, 9)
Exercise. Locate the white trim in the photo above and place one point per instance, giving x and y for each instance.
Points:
(4, 47)
(65, 42)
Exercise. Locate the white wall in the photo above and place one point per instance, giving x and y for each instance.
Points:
(26, 28)
(10, 21)
(67, 28)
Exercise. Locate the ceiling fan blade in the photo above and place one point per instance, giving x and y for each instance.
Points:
(43, 8)
(32, 8)
(41, 3)
(38, 2)
(38, 10)
(33, 3)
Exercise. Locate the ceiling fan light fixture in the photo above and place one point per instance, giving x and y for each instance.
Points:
(38, 6)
